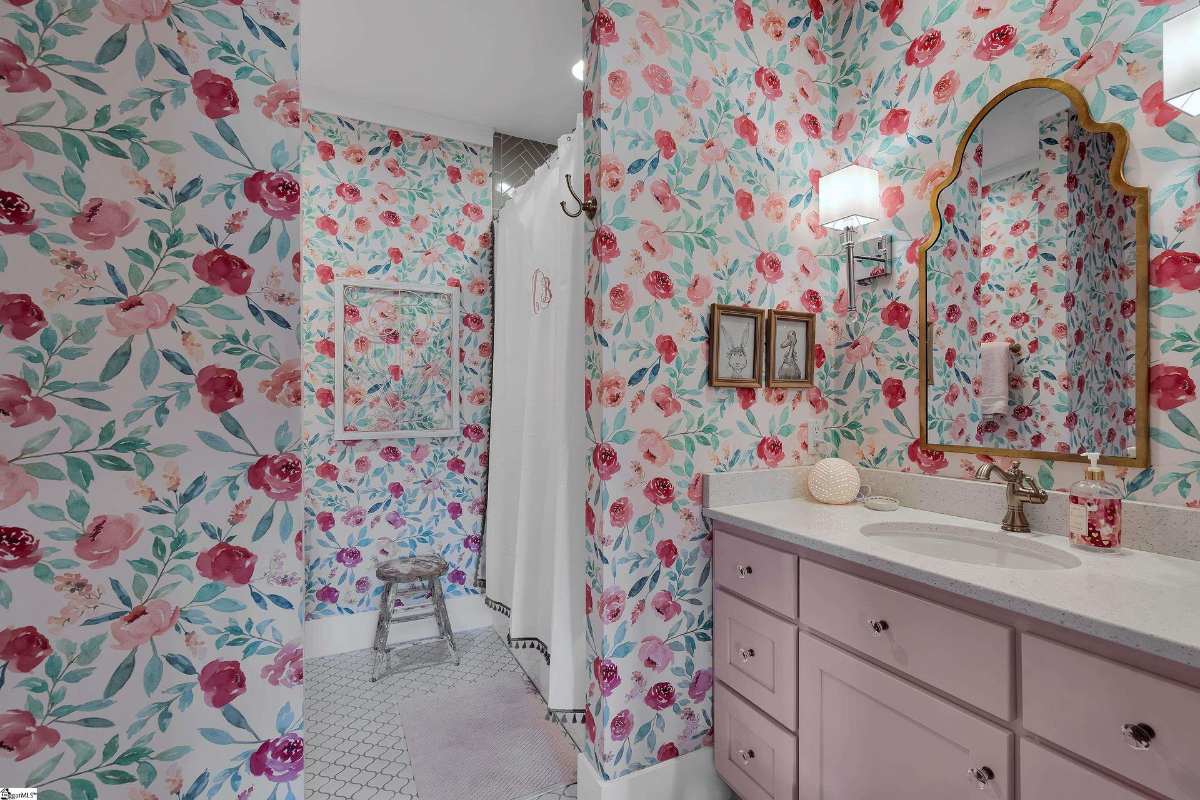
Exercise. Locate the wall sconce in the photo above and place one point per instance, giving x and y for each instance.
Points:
(1181, 62)
(849, 200)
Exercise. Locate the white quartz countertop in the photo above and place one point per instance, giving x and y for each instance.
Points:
(1142, 600)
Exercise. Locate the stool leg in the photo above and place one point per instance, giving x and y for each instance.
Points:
(381, 632)
(444, 619)
(435, 585)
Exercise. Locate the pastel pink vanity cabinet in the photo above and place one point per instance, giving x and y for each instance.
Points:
(838, 682)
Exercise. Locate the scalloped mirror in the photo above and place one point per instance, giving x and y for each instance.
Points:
(1034, 287)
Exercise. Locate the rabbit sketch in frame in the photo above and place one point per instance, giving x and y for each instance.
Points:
(735, 351)
(736, 340)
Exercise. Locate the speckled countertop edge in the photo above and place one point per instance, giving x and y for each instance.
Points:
(1150, 601)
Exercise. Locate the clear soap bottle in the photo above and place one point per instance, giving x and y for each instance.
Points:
(1095, 511)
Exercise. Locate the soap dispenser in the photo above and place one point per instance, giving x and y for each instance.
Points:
(1095, 506)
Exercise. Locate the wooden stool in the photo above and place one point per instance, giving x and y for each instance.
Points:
(426, 570)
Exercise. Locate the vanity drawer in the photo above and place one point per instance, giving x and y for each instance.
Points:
(1084, 702)
(1045, 775)
(756, 655)
(960, 654)
(753, 754)
(759, 573)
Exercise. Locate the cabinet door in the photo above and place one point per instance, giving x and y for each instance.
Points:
(865, 734)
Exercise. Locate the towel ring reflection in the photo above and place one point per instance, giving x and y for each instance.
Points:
(589, 206)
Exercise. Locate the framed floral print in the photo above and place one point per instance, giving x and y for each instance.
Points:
(735, 344)
(790, 348)
(397, 370)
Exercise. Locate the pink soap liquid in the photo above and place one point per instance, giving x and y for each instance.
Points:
(1096, 523)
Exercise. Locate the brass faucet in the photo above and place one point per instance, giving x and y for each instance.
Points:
(1021, 489)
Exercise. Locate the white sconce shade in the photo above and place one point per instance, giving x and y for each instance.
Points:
(849, 198)
(1181, 62)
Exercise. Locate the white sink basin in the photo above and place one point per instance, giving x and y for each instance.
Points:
(970, 545)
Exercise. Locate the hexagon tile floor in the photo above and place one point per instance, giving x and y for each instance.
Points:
(354, 744)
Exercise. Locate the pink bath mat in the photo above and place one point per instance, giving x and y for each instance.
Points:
(487, 741)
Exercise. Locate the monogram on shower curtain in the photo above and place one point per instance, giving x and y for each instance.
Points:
(535, 559)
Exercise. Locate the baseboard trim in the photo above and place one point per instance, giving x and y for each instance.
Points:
(326, 636)
(688, 777)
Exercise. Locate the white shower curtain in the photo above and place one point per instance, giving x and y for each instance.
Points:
(535, 514)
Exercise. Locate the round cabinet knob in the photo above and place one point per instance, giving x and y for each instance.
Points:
(746, 755)
(745, 571)
(747, 653)
(1138, 736)
(878, 626)
(982, 776)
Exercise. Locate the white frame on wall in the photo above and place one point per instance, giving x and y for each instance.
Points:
(339, 288)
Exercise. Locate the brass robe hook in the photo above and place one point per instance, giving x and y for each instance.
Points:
(589, 206)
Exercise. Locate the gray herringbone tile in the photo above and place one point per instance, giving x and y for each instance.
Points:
(514, 160)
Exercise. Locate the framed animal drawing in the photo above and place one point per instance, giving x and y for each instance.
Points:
(735, 345)
(790, 339)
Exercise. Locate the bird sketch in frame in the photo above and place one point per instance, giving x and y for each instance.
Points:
(791, 337)
(735, 346)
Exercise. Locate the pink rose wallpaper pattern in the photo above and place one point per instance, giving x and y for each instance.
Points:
(700, 151)
(1009, 297)
(1095, 286)
(150, 560)
(708, 124)
(388, 204)
(955, 286)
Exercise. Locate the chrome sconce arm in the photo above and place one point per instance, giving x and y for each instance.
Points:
(875, 253)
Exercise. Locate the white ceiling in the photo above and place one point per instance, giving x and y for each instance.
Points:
(456, 68)
(1012, 132)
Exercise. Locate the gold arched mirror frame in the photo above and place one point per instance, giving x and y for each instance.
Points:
(1141, 195)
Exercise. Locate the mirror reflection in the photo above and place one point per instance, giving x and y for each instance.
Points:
(1031, 288)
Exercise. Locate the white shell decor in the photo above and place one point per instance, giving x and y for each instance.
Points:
(834, 481)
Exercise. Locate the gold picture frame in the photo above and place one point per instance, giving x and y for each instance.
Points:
(1141, 195)
(782, 347)
(735, 345)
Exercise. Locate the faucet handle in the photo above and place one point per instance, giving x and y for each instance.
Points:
(1022, 478)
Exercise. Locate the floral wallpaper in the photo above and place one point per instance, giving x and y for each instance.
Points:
(150, 559)
(1055, 341)
(957, 278)
(710, 122)
(1095, 287)
(1009, 296)
(387, 204)
(706, 132)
